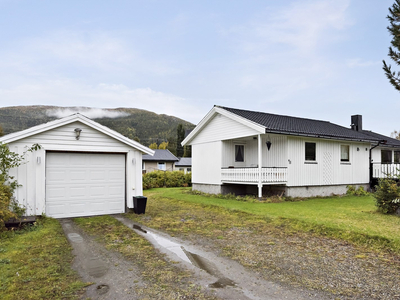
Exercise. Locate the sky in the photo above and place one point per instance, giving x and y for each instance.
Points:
(318, 59)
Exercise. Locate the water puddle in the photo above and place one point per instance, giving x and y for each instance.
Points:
(75, 237)
(192, 258)
(96, 267)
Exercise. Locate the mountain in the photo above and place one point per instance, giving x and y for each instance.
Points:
(144, 126)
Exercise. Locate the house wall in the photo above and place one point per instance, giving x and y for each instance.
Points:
(31, 175)
(206, 163)
(376, 154)
(276, 156)
(327, 169)
(222, 128)
(151, 166)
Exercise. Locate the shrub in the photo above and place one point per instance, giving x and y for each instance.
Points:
(351, 190)
(158, 179)
(9, 207)
(386, 195)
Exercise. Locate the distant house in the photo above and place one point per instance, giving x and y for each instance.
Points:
(82, 168)
(162, 160)
(248, 152)
(184, 164)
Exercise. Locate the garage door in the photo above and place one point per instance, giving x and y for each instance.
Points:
(84, 184)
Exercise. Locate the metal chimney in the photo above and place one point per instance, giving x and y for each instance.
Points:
(356, 122)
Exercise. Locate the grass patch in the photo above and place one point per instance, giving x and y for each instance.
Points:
(35, 264)
(352, 218)
(163, 280)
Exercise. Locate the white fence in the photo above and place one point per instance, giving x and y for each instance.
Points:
(385, 170)
(268, 175)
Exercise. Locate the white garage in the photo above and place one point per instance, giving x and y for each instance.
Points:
(82, 169)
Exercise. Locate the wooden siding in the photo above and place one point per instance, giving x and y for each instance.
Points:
(32, 174)
(206, 163)
(222, 128)
(327, 169)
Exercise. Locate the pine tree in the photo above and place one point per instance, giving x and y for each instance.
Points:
(394, 29)
(180, 137)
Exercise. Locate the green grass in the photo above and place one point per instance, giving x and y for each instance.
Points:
(35, 263)
(353, 218)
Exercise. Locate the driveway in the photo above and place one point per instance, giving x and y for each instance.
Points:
(115, 277)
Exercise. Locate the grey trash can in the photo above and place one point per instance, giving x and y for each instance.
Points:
(139, 204)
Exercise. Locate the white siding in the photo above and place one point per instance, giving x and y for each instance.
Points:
(206, 163)
(277, 155)
(222, 128)
(328, 168)
(32, 174)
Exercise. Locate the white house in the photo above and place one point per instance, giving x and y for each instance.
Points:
(242, 151)
(82, 168)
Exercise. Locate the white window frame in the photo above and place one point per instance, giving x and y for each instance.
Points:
(162, 166)
(343, 160)
(243, 154)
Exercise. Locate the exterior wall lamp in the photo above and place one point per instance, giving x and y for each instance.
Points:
(268, 143)
(77, 133)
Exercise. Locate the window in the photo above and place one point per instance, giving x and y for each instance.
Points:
(189, 169)
(386, 156)
(310, 151)
(162, 166)
(239, 153)
(397, 157)
(344, 153)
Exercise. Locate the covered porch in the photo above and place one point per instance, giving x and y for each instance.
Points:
(255, 160)
(385, 170)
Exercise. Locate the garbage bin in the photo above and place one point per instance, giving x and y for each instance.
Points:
(139, 204)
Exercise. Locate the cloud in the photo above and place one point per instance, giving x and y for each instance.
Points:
(93, 113)
(358, 62)
(104, 95)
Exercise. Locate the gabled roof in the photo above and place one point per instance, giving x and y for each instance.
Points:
(15, 136)
(300, 126)
(160, 155)
(390, 142)
(184, 162)
(281, 124)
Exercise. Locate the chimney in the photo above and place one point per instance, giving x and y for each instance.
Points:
(356, 122)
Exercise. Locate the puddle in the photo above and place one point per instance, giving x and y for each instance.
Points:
(139, 228)
(195, 259)
(101, 289)
(96, 267)
(75, 237)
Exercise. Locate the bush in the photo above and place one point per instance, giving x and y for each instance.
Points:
(387, 195)
(158, 179)
(351, 190)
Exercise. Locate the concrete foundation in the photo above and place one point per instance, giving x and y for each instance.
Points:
(270, 190)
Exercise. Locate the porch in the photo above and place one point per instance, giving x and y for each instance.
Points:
(253, 175)
(380, 170)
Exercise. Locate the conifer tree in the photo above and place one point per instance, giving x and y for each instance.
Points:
(394, 49)
(180, 137)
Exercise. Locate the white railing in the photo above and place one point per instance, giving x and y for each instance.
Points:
(268, 175)
(385, 170)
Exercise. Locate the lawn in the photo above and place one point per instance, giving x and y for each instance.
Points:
(35, 263)
(353, 218)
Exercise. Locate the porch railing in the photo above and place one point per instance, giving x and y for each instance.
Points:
(251, 175)
(385, 170)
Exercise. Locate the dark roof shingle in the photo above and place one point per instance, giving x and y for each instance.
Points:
(160, 155)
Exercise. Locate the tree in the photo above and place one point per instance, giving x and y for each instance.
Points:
(1, 131)
(395, 134)
(163, 145)
(153, 146)
(180, 137)
(394, 54)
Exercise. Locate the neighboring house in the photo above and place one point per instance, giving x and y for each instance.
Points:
(82, 168)
(162, 160)
(184, 164)
(248, 152)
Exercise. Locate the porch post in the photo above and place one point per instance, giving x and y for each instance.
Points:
(259, 167)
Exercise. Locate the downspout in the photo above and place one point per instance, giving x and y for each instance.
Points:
(259, 167)
(370, 161)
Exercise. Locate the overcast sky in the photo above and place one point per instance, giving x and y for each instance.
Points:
(319, 59)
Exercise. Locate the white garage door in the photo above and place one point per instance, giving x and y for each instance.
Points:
(84, 184)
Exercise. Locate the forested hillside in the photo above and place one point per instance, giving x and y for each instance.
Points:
(141, 125)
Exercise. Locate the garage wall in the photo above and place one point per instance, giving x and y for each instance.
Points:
(32, 174)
